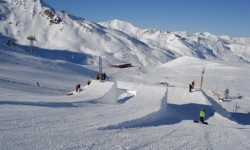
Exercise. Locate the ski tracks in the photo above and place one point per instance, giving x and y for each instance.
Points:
(167, 137)
(211, 137)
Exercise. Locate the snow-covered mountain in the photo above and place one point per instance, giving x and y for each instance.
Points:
(201, 45)
(60, 35)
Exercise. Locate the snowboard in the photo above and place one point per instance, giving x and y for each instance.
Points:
(196, 121)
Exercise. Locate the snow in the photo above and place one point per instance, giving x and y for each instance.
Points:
(147, 106)
(154, 116)
(99, 91)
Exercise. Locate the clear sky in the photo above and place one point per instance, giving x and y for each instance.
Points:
(219, 17)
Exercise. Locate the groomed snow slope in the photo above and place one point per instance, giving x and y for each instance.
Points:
(155, 118)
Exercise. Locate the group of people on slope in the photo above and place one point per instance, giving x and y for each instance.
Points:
(99, 76)
(79, 88)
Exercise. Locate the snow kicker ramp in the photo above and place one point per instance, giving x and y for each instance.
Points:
(100, 92)
(149, 105)
(190, 103)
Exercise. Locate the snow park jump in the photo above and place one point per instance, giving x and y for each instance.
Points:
(154, 100)
(106, 92)
(100, 92)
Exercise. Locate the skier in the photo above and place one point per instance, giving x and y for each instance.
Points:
(202, 115)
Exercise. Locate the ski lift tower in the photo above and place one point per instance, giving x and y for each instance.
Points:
(32, 39)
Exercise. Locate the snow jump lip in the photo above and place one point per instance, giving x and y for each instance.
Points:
(100, 92)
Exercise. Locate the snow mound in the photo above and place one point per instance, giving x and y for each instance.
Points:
(185, 60)
(149, 105)
(100, 92)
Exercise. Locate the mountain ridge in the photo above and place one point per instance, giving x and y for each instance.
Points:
(115, 41)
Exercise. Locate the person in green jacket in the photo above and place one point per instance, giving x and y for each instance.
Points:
(202, 115)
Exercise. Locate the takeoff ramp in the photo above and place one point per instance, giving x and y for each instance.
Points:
(147, 106)
(100, 92)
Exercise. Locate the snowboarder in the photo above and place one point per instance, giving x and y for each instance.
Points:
(190, 88)
(193, 83)
(202, 115)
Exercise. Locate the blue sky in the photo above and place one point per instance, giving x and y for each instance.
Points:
(219, 17)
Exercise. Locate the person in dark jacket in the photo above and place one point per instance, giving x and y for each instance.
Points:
(190, 88)
(104, 76)
(226, 94)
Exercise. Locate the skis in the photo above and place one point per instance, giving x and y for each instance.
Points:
(196, 121)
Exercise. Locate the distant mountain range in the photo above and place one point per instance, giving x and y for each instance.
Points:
(60, 35)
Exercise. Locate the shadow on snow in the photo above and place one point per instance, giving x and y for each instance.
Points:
(175, 114)
(241, 118)
(48, 104)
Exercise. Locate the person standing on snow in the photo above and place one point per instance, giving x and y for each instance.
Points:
(104, 76)
(190, 88)
(202, 115)
(226, 94)
(193, 84)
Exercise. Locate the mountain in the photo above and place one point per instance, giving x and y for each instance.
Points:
(62, 36)
(201, 45)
